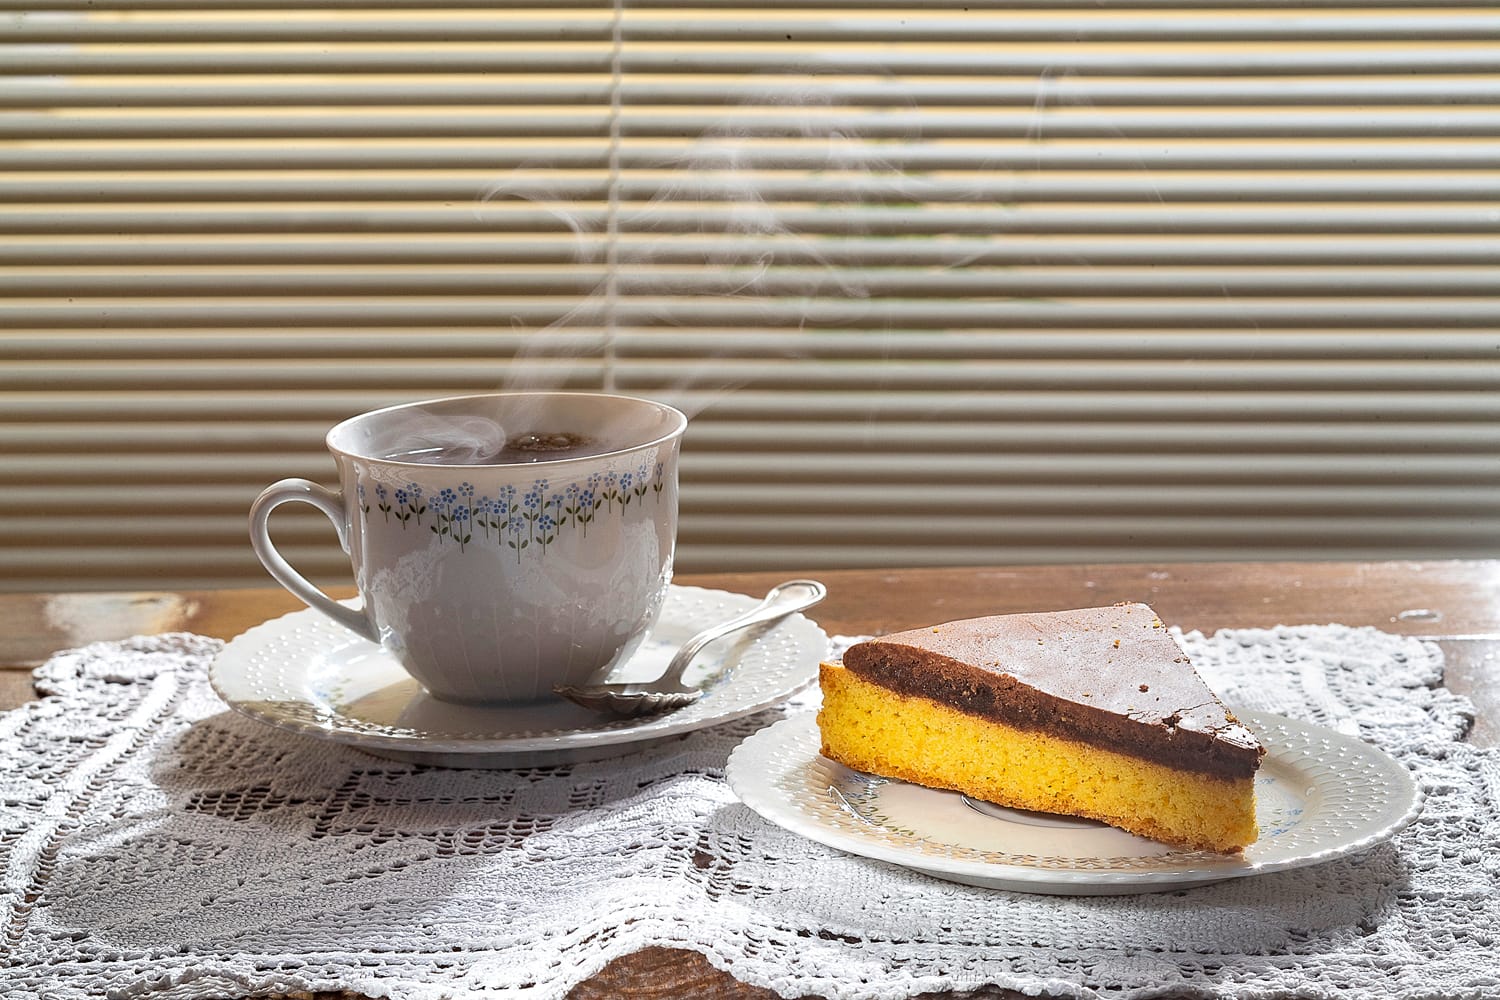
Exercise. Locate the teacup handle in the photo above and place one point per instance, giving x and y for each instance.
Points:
(332, 506)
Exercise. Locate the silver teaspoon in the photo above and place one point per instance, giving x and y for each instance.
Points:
(667, 692)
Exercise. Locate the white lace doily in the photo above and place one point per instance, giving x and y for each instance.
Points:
(155, 844)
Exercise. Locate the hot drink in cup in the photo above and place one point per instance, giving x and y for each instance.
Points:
(502, 543)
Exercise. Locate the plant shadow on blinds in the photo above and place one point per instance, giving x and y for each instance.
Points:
(939, 283)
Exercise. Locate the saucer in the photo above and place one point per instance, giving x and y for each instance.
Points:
(1320, 795)
(306, 674)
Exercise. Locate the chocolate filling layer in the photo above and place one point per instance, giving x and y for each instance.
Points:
(1139, 702)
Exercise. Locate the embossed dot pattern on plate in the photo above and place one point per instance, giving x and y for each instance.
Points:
(306, 674)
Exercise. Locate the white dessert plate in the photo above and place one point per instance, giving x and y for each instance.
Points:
(304, 673)
(1320, 795)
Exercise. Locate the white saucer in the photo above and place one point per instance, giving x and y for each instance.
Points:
(1320, 795)
(304, 673)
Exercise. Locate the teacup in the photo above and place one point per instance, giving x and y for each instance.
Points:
(494, 573)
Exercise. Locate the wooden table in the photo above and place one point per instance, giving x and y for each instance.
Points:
(1455, 604)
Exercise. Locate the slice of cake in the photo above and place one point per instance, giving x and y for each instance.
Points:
(1095, 712)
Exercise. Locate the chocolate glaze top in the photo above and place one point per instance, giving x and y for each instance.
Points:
(1113, 677)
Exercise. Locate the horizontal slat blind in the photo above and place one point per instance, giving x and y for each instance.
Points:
(952, 282)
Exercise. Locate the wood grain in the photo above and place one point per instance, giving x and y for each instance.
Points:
(1436, 599)
(1456, 604)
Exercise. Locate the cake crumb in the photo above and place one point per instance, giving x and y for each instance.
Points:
(1117, 643)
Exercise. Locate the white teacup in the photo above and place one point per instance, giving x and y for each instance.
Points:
(493, 577)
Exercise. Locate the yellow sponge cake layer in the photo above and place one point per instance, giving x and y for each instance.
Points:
(875, 729)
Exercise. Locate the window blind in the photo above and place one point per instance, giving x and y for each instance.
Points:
(939, 283)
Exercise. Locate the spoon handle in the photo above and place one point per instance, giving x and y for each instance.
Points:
(780, 601)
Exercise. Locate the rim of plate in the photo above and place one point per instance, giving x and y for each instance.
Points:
(759, 766)
(795, 631)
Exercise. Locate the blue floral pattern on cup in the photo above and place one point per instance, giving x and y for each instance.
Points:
(523, 521)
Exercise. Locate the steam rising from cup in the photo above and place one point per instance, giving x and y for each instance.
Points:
(459, 440)
(722, 221)
(529, 433)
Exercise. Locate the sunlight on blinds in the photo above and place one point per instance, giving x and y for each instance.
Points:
(988, 282)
